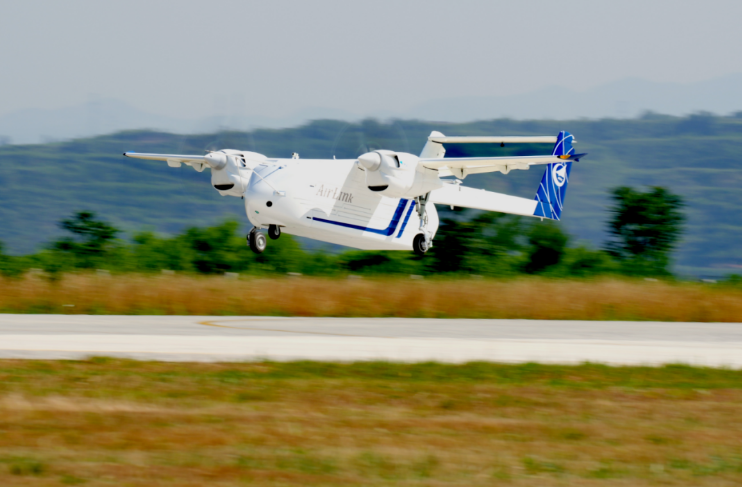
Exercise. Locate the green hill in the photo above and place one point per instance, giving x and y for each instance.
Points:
(698, 157)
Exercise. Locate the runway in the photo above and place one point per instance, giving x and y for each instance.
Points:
(209, 338)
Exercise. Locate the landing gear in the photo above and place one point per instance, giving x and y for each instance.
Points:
(274, 231)
(422, 202)
(422, 241)
(420, 244)
(256, 241)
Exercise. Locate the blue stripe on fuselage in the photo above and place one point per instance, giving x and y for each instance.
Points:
(406, 219)
(386, 232)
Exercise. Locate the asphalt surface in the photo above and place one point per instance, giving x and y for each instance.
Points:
(204, 338)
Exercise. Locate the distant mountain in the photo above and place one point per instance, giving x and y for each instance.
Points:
(627, 98)
(623, 99)
(106, 116)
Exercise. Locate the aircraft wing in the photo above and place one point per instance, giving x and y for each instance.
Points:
(463, 197)
(166, 157)
(173, 160)
(463, 166)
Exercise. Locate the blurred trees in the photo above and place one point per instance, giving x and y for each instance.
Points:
(485, 244)
(547, 244)
(153, 253)
(212, 250)
(91, 239)
(5, 261)
(644, 228)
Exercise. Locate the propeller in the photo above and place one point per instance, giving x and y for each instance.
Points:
(353, 139)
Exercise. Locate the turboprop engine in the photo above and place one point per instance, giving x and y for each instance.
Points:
(231, 170)
(397, 174)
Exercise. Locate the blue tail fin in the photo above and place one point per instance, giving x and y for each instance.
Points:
(553, 187)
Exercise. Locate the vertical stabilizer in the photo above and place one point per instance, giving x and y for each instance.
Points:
(433, 150)
(553, 188)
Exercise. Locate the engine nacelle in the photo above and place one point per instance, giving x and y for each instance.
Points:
(231, 170)
(397, 174)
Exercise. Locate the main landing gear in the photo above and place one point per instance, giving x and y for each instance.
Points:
(422, 241)
(256, 241)
(419, 244)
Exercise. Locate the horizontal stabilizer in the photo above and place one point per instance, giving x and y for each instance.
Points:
(463, 197)
(463, 166)
(549, 199)
(540, 139)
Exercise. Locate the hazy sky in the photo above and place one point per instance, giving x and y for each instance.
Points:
(192, 59)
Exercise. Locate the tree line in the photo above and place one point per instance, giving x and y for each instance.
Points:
(643, 227)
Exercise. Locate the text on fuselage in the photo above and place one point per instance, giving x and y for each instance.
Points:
(334, 193)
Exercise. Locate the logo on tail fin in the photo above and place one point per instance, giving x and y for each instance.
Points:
(559, 174)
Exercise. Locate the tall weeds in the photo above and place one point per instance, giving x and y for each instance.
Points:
(527, 298)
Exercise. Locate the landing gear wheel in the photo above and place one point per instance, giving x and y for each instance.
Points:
(257, 242)
(274, 231)
(419, 245)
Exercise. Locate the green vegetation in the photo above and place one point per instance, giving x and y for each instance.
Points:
(645, 227)
(697, 157)
(106, 421)
(471, 243)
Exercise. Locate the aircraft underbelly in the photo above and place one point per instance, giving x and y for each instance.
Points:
(332, 204)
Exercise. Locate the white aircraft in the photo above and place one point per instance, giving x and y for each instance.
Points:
(380, 201)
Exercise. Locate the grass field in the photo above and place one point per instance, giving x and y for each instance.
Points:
(127, 423)
(529, 298)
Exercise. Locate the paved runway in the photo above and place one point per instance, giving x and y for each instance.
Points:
(209, 338)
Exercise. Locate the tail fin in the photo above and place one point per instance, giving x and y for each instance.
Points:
(553, 188)
(433, 150)
(563, 146)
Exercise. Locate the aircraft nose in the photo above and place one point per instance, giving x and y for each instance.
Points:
(370, 160)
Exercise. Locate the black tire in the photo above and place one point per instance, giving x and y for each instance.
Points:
(274, 231)
(258, 242)
(419, 246)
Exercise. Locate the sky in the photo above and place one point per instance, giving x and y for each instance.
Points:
(194, 59)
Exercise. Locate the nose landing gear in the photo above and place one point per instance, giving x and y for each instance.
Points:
(256, 241)
(274, 231)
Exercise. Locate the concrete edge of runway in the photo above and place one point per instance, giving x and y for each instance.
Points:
(352, 349)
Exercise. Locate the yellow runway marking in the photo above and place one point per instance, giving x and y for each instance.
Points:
(214, 323)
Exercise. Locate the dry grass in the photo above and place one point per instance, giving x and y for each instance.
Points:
(531, 298)
(116, 422)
